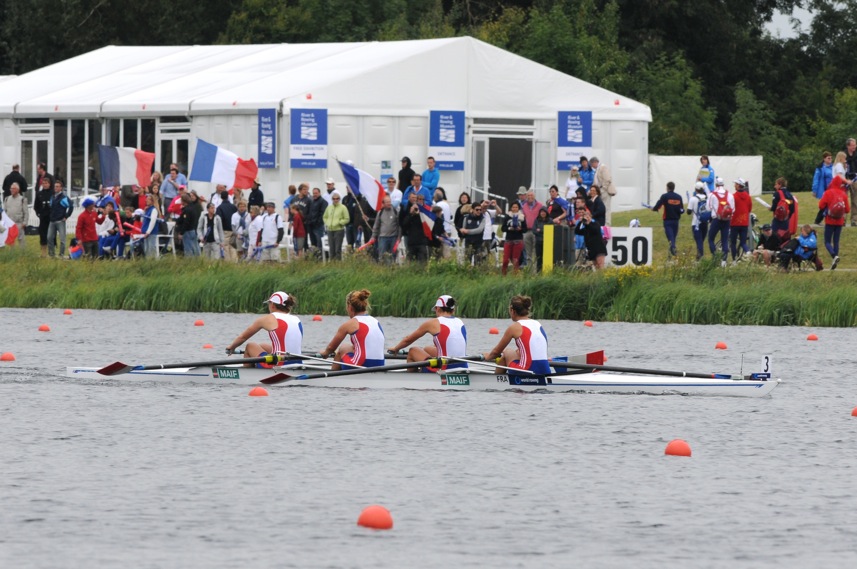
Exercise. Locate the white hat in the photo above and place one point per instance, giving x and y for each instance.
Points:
(718, 181)
(445, 301)
(699, 185)
(329, 181)
(278, 297)
(741, 182)
(139, 212)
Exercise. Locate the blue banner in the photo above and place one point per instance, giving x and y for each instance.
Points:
(446, 139)
(308, 147)
(267, 138)
(574, 138)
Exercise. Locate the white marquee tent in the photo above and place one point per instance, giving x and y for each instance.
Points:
(378, 96)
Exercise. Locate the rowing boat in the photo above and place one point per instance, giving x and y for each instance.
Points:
(457, 380)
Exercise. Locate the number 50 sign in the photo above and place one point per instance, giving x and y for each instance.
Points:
(630, 246)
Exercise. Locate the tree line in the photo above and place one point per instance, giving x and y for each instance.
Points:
(716, 81)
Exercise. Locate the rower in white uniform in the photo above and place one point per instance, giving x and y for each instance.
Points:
(448, 335)
(284, 329)
(367, 338)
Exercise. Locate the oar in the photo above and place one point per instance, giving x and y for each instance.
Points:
(640, 370)
(480, 360)
(316, 356)
(117, 368)
(282, 376)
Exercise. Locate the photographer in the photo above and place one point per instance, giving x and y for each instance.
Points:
(472, 230)
(592, 239)
(412, 229)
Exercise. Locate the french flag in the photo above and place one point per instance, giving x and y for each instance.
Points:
(219, 166)
(363, 184)
(125, 166)
(428, 219)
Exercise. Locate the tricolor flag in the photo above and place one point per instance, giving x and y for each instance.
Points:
(219, 166)
(125, 166)
(363, 184)
(428, 219)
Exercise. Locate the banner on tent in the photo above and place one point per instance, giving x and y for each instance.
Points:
(308, 147)
(267, 138)
(446, 139)
(574, 138)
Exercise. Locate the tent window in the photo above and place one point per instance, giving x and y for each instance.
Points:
(78, 154)
(61, 150)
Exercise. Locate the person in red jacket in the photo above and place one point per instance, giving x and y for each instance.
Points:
(834, 204)
(740, 219)
(85, 232)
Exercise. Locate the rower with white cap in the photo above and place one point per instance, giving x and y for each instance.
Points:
(448, 334)
(284, 328)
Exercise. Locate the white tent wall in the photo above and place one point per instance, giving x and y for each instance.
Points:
(620, 145)
(8, 146)
(683, 171)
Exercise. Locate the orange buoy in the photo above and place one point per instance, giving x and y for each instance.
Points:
(316, 318)
(677, 447)
(375, 517)
(720, 346)
(258, 392)
(7, 357)
(207, 346)
(493, 331)
(199, 323)
(812, 338)
(44, 328)
(67, 312)
(853, 411)
(588, 323)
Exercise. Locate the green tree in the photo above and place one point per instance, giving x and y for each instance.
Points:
(682, 123)
(752, 131)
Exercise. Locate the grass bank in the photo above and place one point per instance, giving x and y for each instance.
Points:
(683, 292)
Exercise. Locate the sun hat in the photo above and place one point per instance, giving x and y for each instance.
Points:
(443, 301)
(522, 190)
(278, 297)
(329, 181)
(741, 182)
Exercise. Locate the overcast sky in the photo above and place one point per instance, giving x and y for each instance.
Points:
(780, 25)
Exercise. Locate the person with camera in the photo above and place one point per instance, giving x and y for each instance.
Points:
(412, 229)
(472, 230)
(596, 250)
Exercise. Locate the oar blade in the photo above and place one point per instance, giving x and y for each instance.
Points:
(277, 378)
(116, 368)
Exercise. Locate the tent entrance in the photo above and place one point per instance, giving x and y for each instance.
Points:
(500, 164)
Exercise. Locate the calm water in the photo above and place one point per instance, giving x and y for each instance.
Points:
(109, 474)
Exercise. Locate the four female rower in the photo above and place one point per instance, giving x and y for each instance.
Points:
(367, 338)
(366, 348)
(531, 352)
(448, 334)
(284, 329)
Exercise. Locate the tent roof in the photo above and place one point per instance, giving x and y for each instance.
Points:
(381, 78)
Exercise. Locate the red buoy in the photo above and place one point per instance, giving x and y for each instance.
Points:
(677, 447)
(375, 517)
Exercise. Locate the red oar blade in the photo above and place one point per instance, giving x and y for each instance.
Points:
(277, 378)
(115, 368)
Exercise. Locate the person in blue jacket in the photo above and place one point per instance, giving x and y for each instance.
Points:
(823, 175)
(587, 174)
(60, 210)
(673, 209)
(706, 173)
